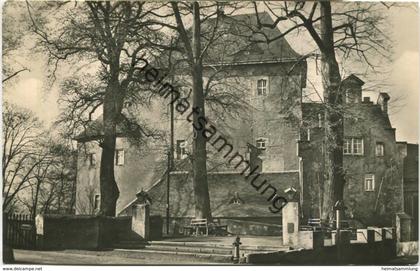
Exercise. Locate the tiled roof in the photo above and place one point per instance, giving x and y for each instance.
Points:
(245, 43)
(368, 112)
(94, 130)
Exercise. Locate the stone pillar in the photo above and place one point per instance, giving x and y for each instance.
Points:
(389, 242)
(403, 227)
(371, 236)
(290, 220)
(141, 220)
(345, 237)
(8, 256)
(39, 228)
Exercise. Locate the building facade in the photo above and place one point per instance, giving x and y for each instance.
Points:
(270, 127)
(373, 164)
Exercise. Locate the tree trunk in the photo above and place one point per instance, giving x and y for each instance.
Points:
(35, 205)
(201, 191)
(333, 186)
(108, 186)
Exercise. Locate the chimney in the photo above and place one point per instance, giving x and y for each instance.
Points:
(352, 86)
(383, 99)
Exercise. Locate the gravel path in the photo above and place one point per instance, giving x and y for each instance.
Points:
(82, 257)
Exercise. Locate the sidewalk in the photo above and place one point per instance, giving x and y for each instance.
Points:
(269, 241)
(405, 260)
(111, 257)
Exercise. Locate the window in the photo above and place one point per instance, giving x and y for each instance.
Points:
(353, 146)
(319, 121)
(357, 146)
(347, 146)
(119, 157)
(261, 143)
(96, 202)
(369, 182)
(92, 159)
(262, 85)
(236, 200)
(379, 149)
(181, 149)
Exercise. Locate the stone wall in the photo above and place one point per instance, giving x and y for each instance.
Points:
(312, 251)
(79, 232)
(408, 248)
(258, 226)
(250, 216)
(358, 254)
(222, 189)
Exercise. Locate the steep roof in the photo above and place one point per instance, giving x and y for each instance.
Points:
(368, 112)
(352, 78)
(94, 130)
(244, 42)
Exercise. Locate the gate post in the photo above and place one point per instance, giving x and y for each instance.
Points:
(140, 220)
(39, 231)
(290, 219)
(8, 256)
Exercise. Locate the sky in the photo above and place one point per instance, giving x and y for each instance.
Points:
(402, 81)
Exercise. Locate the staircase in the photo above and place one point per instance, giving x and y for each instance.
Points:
(129, 241)
(215, 252)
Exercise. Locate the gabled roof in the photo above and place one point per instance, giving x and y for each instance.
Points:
(244, 42)
(94, 130)
(368, 112)
(352, 78)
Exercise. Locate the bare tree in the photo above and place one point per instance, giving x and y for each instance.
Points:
(348, 30)
(51, 188)
(21, 156)
(202, 49)
(115, 36)
(12, 36)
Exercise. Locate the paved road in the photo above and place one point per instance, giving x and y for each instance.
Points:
(81, 257)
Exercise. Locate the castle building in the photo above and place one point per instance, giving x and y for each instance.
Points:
(270, 126)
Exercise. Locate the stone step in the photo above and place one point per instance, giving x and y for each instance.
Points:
(217, 245)
(132, 244)
(213, 257)
(204, 249)
(195, 249)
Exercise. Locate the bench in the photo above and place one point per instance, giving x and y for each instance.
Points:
(315, 223)
(319, 224)
(198, 225)
(345, 224)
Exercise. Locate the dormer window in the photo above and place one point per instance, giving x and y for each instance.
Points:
(236, 200)
(181, 149)
(262, 87)
(119, 157)
(261, 143)
(92, 159)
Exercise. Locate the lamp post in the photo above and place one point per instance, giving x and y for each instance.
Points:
(236, 252)
(291, 193)
(339, 208)
(168, 176)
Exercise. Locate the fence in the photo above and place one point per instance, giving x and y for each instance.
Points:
(19, 231)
